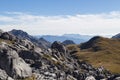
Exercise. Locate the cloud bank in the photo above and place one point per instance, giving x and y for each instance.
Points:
(90, 24)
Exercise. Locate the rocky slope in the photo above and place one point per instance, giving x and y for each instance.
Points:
(23, 35)
(20, 59)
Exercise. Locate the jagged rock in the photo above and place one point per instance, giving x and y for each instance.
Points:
(4, 76)
(58, 46)
(38, 76)
(69, 77)
(7, 36)
(26, 43)
(90, 78)
(32, 58)
(12, 63)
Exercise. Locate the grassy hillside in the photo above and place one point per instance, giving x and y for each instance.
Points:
(99, 51)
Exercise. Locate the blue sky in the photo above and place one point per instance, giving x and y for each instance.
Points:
(60, 7)
(56, 17)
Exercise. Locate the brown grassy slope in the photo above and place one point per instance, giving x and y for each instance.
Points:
(99, 51)
(6, 41)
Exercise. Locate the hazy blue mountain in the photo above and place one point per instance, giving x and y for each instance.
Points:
(74, 37)
(78, 36)
(68, 42)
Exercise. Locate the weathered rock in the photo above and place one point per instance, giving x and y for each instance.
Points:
(7, 36)
(90, 78)
(32, 58)
(4, 76)
(12, 63)
(59, 47)
(69, 77)
(26, 43)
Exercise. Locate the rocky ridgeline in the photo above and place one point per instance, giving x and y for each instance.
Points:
(21, 59)
(41, 42)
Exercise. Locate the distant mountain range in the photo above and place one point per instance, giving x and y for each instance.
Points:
(77, 38)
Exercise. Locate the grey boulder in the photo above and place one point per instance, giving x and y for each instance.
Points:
(4, 76)
(13, 65)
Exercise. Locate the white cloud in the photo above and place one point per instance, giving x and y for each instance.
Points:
(6, 19)
(102, 24)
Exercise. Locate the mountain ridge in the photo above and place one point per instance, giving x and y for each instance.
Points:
(99, 51)
(24, 35)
